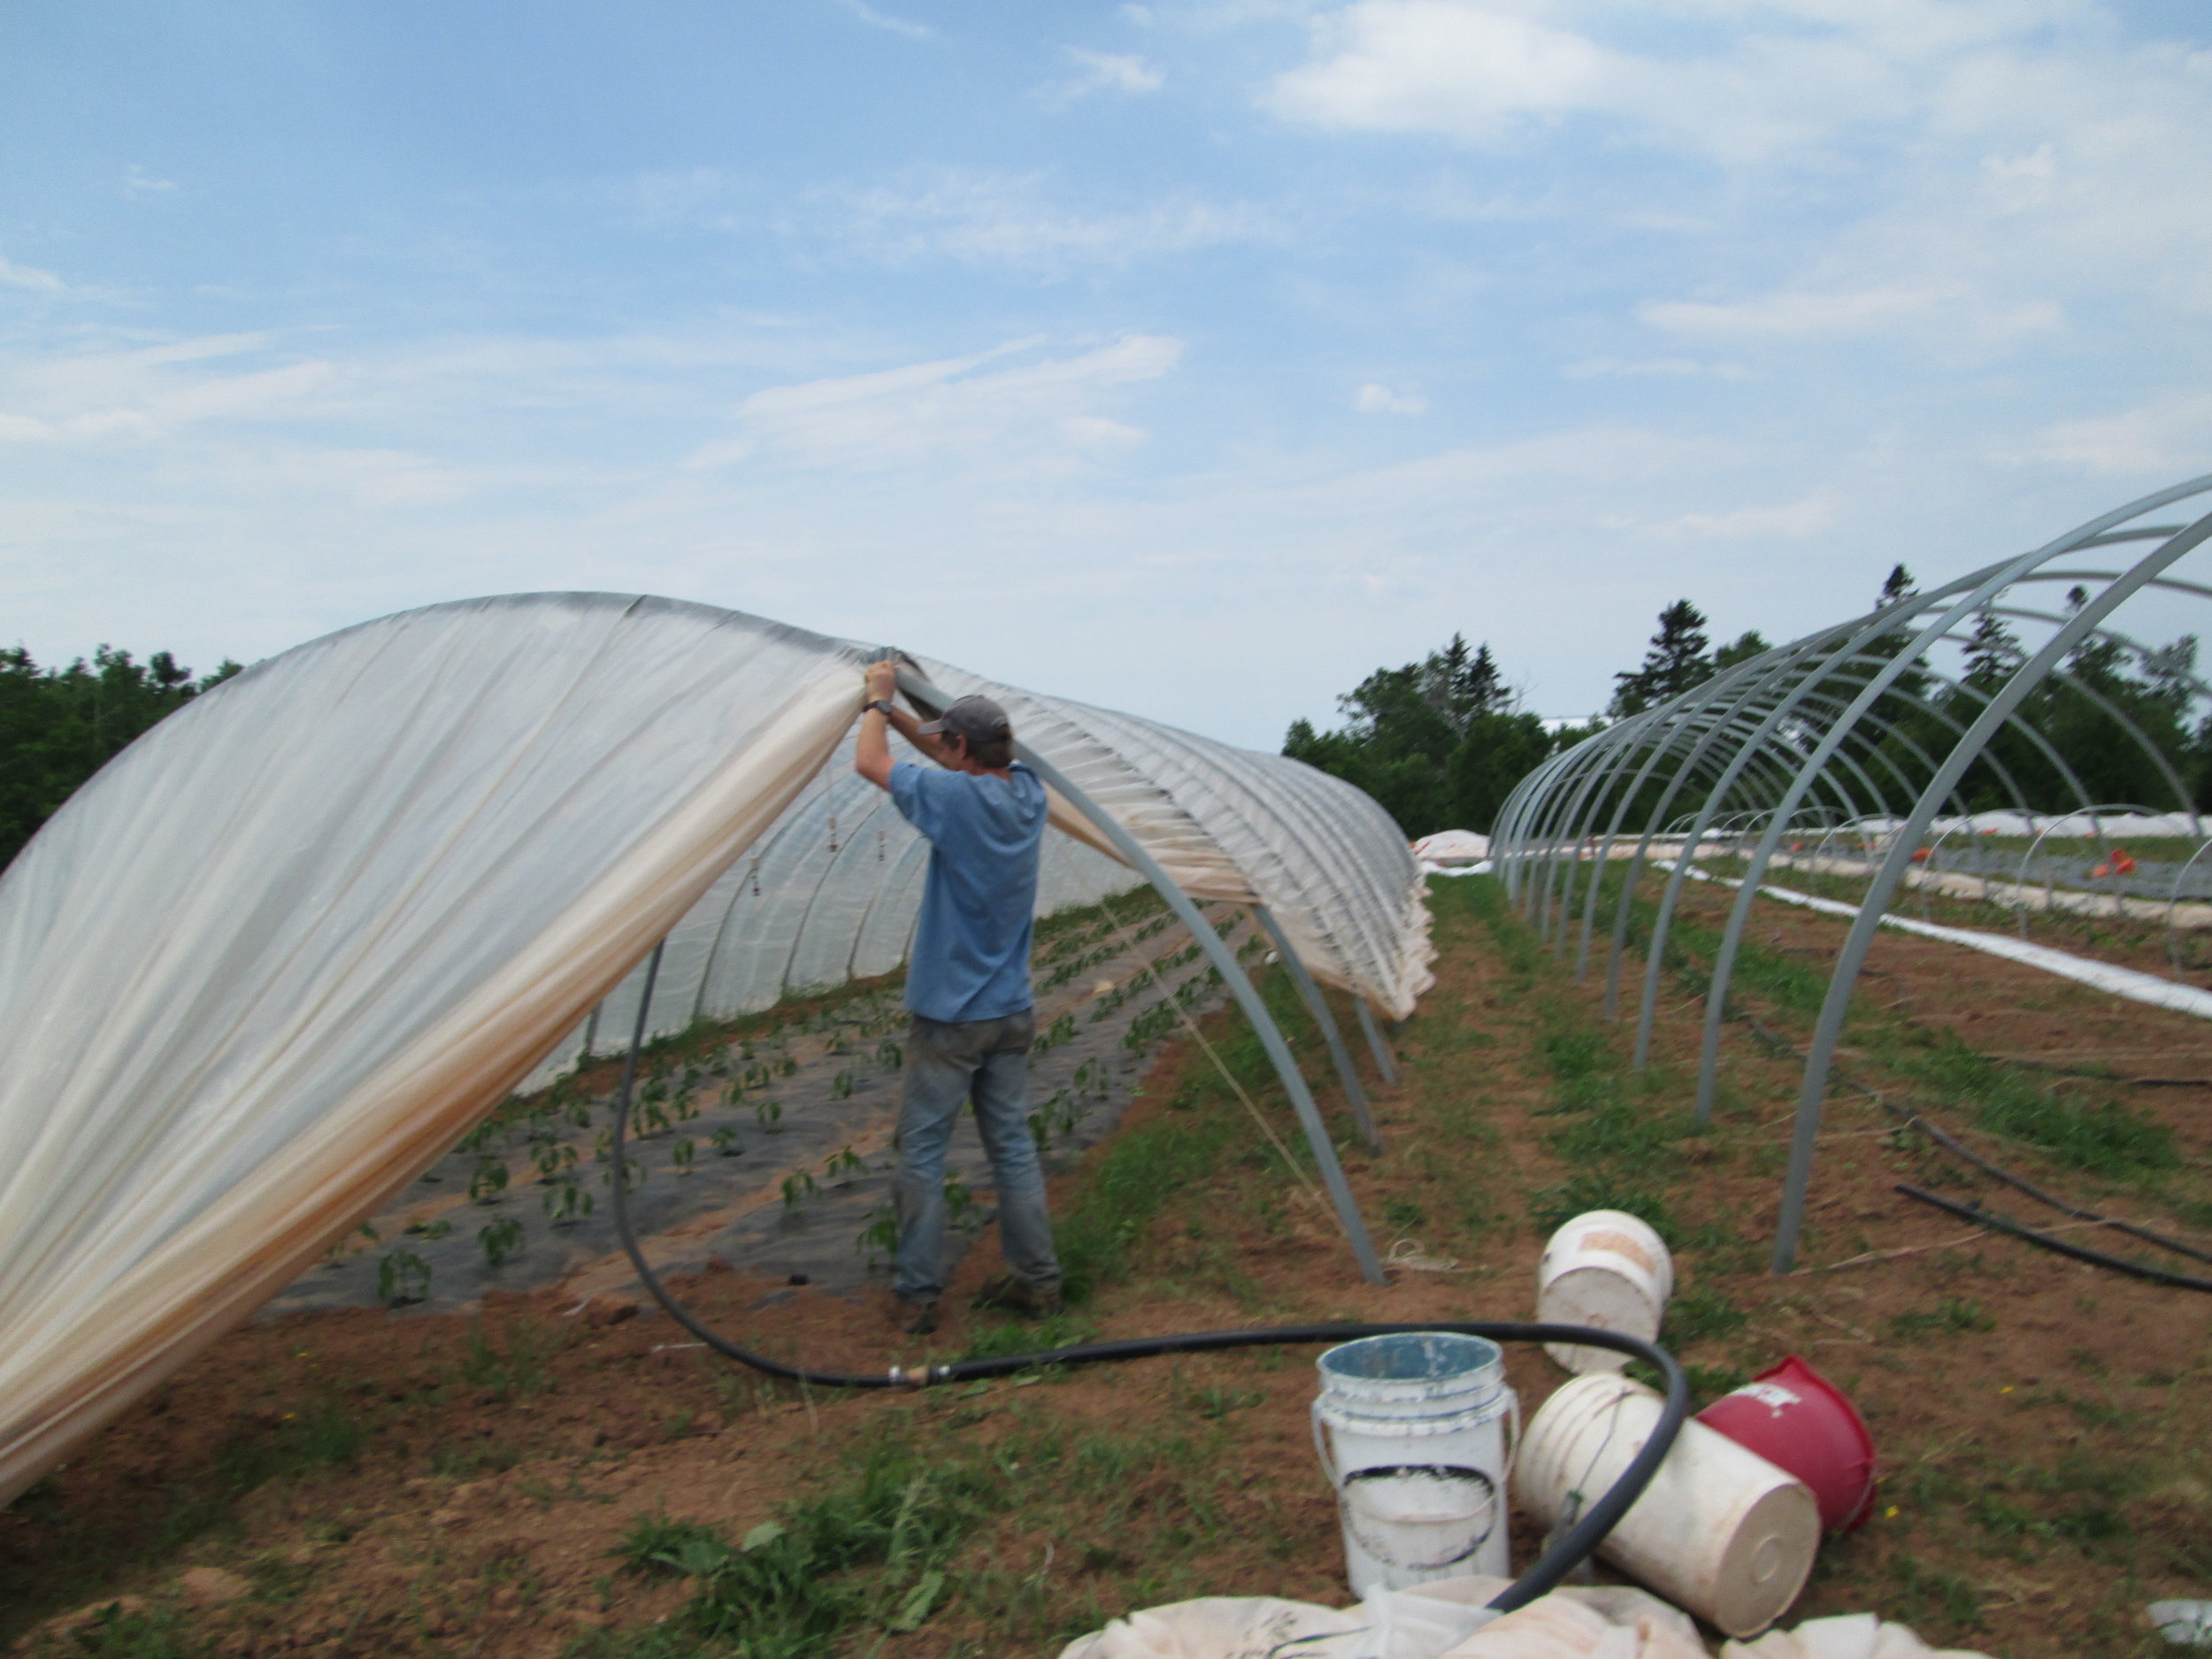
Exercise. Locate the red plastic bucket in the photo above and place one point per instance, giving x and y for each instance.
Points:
(1802, 1423)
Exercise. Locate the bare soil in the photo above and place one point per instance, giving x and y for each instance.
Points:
(362, 1483)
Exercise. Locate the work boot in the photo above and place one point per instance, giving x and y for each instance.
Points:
(1013, 1294)
(914, 1318)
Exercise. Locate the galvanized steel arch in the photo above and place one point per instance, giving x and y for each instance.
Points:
(1851, 725)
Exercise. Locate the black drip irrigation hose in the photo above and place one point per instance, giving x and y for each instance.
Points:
(1982, 1218)
(1912, 1118)
(1567, 1551)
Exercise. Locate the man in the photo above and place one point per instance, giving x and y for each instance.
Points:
(967, 987)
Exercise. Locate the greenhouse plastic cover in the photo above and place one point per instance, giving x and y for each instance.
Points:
(294, 941)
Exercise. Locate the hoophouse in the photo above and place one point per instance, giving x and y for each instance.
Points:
(280, 954)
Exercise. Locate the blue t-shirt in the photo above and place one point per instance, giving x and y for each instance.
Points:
(971, 956)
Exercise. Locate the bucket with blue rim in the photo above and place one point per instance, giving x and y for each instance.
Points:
(1416, 1432)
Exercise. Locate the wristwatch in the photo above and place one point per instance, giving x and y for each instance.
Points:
(881, 705)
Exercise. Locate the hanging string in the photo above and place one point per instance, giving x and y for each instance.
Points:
(1290, 1163)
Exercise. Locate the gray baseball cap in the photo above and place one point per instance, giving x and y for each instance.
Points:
(978, 719)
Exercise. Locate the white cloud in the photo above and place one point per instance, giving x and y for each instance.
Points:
(1436, 65)
(139, 182)
(1103, 72)
(1376, 399)
(2170, 436)
(1742, 80)
(24, 276)
(1794, 519)
(1483, 71)
(1848, 315)
(1608, 368)
(153, 391)
(1041, 415)
(1001, 219)
(884, 20)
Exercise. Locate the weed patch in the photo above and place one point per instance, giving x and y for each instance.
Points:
(1128, 1179)
(1952, 1316)
(2103, 1137)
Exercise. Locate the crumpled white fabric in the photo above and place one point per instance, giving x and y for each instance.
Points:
(1844, 1636)
(1448, 1619)
(2184, 1624)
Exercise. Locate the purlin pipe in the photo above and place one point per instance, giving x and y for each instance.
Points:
(1899, 699)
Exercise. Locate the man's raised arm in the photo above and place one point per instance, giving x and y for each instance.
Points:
(871, 755)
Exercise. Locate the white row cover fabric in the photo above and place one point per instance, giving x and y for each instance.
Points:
(1450, 1618)
(2123, 824)
(1451, 847)
(280, 954)
(831, 893)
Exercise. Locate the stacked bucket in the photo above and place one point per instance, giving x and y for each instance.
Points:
(1412, 1431)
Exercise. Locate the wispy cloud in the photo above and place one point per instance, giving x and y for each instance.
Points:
(24, 276)
(1009, 218)
(1024, 221)
(884, 20)
(1793, 520)
(1849, 315)
(137, 182)
(1788, 74)
(1377, 399)
(2170, 436)
(1041, 414)
(1676, 368)
(1124, 72)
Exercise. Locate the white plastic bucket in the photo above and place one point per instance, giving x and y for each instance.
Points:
(1720, 1530)
(1605, 1269)
(1412, 1431)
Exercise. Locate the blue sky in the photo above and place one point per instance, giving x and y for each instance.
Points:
(1190, 358)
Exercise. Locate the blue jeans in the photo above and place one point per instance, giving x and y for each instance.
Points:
(986, 1060)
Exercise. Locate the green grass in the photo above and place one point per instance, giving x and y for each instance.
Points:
(898, 1536)
(2103, 1137)
(518, 1370)
(1952, 1316)
(1131, 1176)
(158, 1633)
(873, 1551)
(658, 1546)
(1699, 1313)
(1619, 1148)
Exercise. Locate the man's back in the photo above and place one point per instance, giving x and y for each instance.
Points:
(971, 956)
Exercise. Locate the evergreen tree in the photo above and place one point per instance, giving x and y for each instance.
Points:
(1440, 743)
(59, 726)
(1680, 659)
(1486, 692)
(1749, 644)
(1992, 652)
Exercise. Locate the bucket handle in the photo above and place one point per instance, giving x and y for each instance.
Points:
(1321, 1447)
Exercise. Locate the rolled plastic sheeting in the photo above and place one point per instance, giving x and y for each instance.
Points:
(280, 954)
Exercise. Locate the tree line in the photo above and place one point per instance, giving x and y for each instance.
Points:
(1441, 743)
(59, 726)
